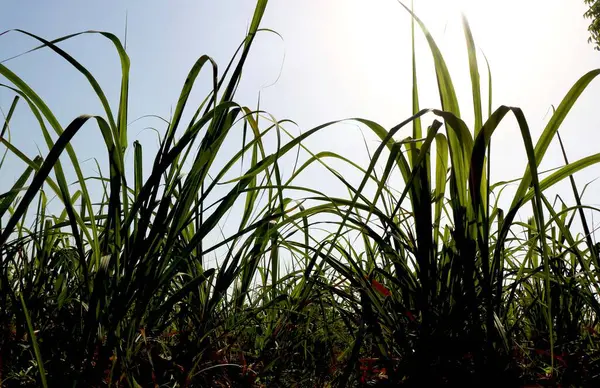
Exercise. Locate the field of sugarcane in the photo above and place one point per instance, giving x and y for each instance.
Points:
(209, 267)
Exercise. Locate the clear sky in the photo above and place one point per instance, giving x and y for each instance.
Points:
(343, 58)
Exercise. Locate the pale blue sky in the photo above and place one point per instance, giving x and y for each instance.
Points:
(344, 58)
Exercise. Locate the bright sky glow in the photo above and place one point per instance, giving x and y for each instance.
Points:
(343, 58)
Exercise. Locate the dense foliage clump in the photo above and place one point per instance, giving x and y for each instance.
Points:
(593, 13)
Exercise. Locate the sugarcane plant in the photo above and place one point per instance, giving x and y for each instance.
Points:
(426, 281)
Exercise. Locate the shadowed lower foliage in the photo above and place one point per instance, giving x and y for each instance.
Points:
(426, 283)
